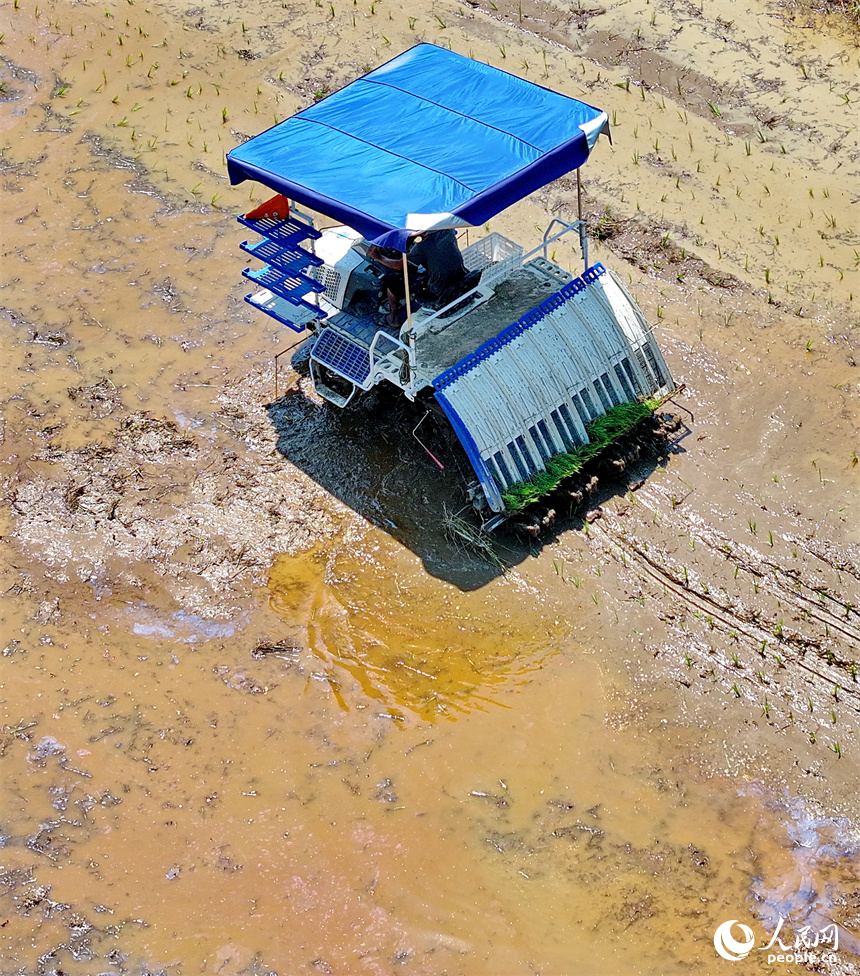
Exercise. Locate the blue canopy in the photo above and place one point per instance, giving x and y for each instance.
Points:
(429, 140)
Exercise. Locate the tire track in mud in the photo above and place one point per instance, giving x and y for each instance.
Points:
(808, 668)
(730, 618)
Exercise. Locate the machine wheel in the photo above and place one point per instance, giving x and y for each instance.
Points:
(301, 358)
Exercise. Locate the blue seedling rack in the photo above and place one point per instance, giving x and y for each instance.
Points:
(283, 273)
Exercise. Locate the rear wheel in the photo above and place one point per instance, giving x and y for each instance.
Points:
(301, 358)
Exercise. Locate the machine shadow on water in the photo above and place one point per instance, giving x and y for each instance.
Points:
(371, 459)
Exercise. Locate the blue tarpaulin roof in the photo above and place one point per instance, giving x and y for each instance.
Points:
(431, 139)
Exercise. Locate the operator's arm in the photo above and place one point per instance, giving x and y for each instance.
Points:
(374, 254)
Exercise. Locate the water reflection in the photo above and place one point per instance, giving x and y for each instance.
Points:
(404, 651)
(800, 892)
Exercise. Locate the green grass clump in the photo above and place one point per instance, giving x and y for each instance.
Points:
(602, 431)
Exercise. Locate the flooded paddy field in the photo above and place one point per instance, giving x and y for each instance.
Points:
(259, 713)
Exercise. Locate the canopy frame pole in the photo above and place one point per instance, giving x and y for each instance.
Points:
(408, 298)
(407, 332)
(583, 235)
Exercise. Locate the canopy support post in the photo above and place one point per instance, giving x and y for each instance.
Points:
(407, 333)
(408, 298)
(583, 235)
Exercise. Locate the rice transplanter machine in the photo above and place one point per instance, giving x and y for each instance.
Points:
(528, 357)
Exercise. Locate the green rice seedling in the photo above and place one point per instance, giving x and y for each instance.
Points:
(765, 708)
(602, 431)
(465, 533)
(833, 717)
(736, 690)
(837, 748)
(736, 661)
(442, 23)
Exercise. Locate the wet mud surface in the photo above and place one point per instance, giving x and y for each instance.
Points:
(266, 706)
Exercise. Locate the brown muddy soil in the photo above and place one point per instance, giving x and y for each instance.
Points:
(261, 712)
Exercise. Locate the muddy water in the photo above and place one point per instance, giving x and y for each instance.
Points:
(479, 793)
(245, 731)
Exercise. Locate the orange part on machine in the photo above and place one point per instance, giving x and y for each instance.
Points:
(278, 206)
